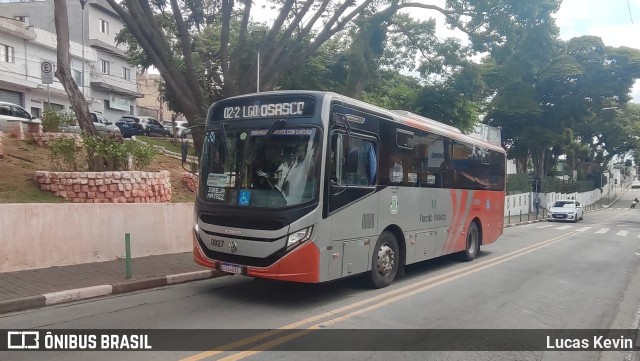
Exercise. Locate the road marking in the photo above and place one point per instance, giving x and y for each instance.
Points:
(563, 227)
(545, 226)
(638, 235)
(583, 229)
(603, 230)
(622, 233)
(360, 306)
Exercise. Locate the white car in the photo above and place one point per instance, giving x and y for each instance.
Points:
(13, 114)
(181, 125)
(565, 210)
(103, 126)
(635, 184)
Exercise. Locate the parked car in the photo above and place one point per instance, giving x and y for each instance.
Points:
(565, 210)
(103, 126)
(145, 126)
(635, 184)
(129, 127)
(180, 126)
(12, 113)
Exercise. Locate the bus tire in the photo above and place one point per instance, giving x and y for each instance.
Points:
(385, 261)
(473, 243)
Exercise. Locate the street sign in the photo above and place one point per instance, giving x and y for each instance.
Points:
(46, 72)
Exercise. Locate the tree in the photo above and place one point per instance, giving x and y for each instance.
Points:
(544, 89)
(204, 52)
(63, 69)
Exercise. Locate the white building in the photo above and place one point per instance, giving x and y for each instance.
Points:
(27, 38)
(23, 49)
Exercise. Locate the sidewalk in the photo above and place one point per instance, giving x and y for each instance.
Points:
(47, 286)
(40, 287)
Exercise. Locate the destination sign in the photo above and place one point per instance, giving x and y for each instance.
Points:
(264, 110)
(266, 107)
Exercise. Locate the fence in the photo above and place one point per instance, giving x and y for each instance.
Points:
(522, 183)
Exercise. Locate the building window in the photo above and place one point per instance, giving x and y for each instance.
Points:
(126, 73)
(105, 67)
(77, 77)
(104, 27)
(7, 53)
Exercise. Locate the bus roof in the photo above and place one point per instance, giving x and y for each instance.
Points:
(400, 116)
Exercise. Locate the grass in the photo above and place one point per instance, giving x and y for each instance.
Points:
(167, 144)
(16, 174)
(22, 159)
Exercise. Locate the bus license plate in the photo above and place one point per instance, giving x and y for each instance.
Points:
(231, 268)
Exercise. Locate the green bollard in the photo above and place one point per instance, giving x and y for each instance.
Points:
(127, 247)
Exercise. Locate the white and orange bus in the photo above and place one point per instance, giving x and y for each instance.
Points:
(309, 186)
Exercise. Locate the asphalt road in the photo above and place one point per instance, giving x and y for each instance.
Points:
(538, 276)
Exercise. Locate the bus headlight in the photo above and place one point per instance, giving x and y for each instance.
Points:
(298, 237)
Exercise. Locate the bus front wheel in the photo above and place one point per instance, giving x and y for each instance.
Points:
(385, 261)
(473, 243)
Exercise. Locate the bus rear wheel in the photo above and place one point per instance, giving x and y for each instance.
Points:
(385, 261)
(473, 243)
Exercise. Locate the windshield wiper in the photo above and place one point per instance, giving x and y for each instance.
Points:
(262, 142)
(224, 137)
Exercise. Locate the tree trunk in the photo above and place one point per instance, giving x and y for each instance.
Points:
(142, 24)
(63, 69)
(538, 156)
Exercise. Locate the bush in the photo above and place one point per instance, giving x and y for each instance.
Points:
(52, 120)
(102, 154)
(64, 154)
(143, 154)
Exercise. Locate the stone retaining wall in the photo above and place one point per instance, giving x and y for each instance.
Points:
(43, 139)
(190, 180)
(107, 187)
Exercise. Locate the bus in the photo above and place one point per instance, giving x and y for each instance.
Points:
(309, 186)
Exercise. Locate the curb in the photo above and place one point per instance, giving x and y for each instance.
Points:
(53, 298)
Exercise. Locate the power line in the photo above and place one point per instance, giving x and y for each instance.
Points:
(629, 7)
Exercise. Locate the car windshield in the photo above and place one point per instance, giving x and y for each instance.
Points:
(259, 170)
(565, 204)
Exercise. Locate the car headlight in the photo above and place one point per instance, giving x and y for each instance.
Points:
(299, 237)
(571, 212)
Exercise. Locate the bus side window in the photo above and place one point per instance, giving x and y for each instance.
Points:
(361, 163)
(357, 166)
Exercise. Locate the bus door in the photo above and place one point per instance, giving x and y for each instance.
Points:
(351, 201)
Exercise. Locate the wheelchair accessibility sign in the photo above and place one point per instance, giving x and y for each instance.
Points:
(244, 197)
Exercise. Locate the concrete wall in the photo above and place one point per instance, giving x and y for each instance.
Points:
(45, 235)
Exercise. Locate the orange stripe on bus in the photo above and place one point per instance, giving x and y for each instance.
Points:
(199, 257)
(301, 265)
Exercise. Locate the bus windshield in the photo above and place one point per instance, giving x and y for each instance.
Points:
(261, 167)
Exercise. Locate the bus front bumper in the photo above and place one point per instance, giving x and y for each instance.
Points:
(300, 265)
